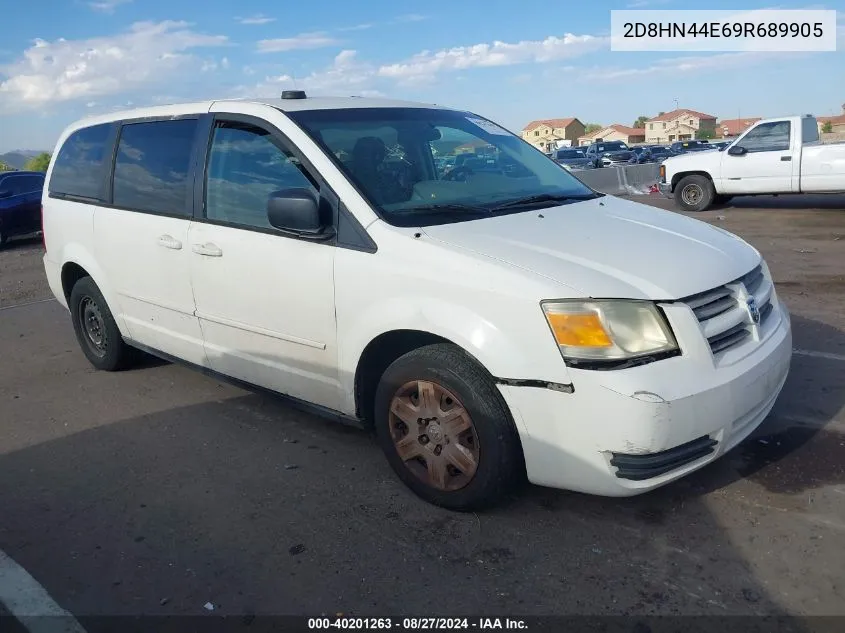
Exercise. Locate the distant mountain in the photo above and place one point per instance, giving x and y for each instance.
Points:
(18, 158)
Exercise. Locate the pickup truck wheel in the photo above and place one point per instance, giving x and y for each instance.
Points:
(694, 193)
(95, 328)
(446, 430)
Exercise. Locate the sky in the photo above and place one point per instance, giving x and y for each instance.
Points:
(61, 60)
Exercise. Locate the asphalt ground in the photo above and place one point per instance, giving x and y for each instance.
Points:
(158, 490)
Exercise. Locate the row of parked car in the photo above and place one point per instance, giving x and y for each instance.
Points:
(612, 153)
(20, 203)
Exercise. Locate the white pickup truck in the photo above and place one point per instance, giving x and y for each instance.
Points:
(774, 156)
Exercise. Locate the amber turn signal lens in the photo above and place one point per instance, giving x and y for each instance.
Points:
(579, 330)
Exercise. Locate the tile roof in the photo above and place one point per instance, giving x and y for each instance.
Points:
(734, 127)
(552, 123)
(834, 120)
(668, 116)
(628, 131)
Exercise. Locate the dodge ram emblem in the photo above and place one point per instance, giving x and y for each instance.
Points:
(753, 310)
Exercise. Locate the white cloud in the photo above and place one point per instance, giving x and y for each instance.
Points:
(258, 18)
(107, 6)
(350, 75)
(300, 42)
(357, 27)
(149, 53)
(673, 66)
(345, 74)
(426, 64)
(411, 17)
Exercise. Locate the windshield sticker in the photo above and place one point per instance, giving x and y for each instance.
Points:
(487, 126)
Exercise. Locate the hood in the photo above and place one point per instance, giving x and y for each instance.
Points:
(694, 160)
(609, 248)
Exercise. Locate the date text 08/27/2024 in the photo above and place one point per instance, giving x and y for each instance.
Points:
(416, 624)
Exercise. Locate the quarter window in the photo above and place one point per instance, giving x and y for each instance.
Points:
(245, 166)
(79, 167)
(768, 137)
(152, 165)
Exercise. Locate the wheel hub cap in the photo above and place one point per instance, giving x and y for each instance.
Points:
(434, 435)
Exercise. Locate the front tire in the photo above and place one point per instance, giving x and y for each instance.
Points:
(95, 328)
(694, 193)
(446, 430)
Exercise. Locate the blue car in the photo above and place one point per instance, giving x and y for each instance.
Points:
(20, 203)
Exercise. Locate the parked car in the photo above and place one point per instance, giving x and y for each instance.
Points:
(647, 154)
(574, 158)
(659, 153)
(20, 203)
(488, 326)
(720, 145)
(608, 153)
(695, 145)
(782, 155)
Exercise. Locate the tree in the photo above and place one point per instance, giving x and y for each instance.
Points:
(592, 127)
(705, 134)
(38, 163)
(827, 127)
(5, 167)
(660, 113)
(640, 122)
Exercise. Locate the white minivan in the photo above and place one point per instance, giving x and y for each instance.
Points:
(424, 272)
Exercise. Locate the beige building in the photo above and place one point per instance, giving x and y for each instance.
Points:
(615, 132)
(545, 134)
(678, 125)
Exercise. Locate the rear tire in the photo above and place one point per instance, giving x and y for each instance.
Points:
(95, 328)
(694, 193)
(475, 458)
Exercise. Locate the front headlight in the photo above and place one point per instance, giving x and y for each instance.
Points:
(608, 330)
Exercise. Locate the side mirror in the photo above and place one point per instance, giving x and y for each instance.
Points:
(295, 210)
(737, 150)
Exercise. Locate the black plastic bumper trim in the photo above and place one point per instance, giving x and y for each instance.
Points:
(648, 465)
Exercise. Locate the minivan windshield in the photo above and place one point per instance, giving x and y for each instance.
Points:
(421, 166)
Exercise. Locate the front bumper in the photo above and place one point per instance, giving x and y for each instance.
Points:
(626, 432)
(665, 188)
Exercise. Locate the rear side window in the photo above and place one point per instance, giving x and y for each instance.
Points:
(152, 166)
(78, 169)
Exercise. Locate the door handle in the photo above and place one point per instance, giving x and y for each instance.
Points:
(786, 159)
(169, 242)
(208, 249)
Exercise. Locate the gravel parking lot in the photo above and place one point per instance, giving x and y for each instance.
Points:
(158, 490)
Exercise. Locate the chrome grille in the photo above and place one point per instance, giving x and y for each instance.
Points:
(725, 322)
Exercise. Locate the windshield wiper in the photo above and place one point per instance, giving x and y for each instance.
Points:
(444, 207)
(541, 197)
